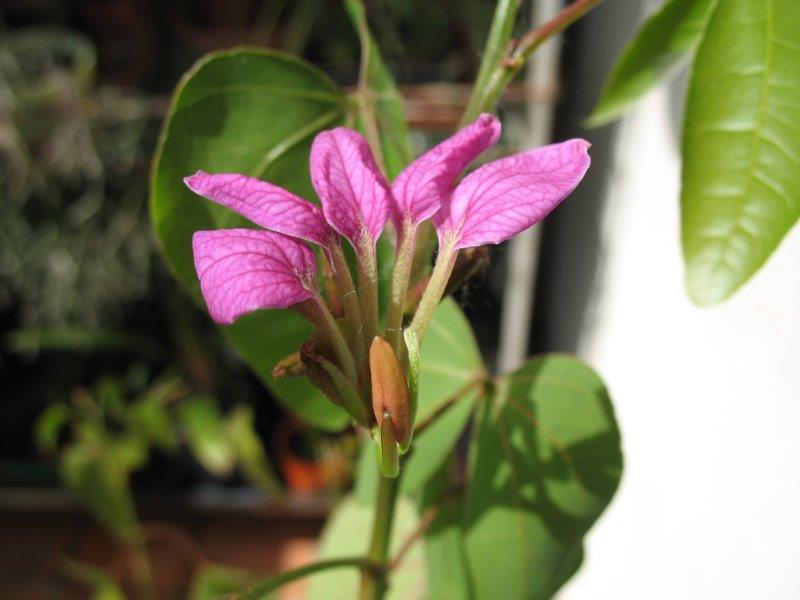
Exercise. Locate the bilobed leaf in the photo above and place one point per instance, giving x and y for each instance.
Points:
(389, 111)
(666, 40)
(347, 533)
(544, 464)
(741, 145)
(254, 112)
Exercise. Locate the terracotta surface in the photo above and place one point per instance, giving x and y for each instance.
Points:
(33, 543)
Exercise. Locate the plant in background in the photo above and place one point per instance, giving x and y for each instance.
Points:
(109, 439)
(362, 331)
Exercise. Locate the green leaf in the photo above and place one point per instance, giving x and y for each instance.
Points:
(212, 581)
(388, 103)
(105, 588)
(741, 145)
(149, 418)
(49, 425)
(450, 366)
(250, 453)
(666, 40)
(207, 437)
(347, 534)
(255, 112)
(544, 464)
(448, 574)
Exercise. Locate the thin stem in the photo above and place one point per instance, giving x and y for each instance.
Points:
(368, 288)
(262, 589)
(486, 96)
(340, 348)
(505, 16)
(352, 311)
(400, 279)
(365, 102)
(374, 584)
(436, 286)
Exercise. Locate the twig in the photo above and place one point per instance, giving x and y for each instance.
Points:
(428, 517)
(447, 404)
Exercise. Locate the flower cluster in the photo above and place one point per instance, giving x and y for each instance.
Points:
(360, 365)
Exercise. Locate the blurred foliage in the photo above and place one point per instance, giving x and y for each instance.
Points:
(100, 439)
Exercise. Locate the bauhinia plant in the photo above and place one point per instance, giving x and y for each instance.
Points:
(322, 278)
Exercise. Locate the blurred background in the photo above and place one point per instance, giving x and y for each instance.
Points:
(102, 353)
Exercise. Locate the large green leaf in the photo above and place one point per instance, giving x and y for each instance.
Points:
(666, 40)
(544, 464)
(741, 145)
(255, 112)
(450, 365)
(386, 98)
(347, 534)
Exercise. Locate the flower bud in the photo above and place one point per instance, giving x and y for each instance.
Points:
(389, 388)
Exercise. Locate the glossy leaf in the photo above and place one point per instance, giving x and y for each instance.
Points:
(665, 41)
(223, 118)
(741, 146)
(347, 534)
(545, 462)
(386, 98)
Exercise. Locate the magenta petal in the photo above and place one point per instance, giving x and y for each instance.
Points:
(242, 270)
(354, 194)
(267, 205)
(505, 197)
(422, 186)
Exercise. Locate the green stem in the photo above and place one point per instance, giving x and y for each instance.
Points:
(505, 16)
(485, 96)
(368, 288)
(141, 568)
(340, 348)
(262, 589)
(400, 279)
(374, 584)
(352, 311)
(442, 270)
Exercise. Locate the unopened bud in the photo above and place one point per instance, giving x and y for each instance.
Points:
(389, 388)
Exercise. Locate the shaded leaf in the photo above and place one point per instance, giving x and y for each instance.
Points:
(741, 145)
(250, 454)
(254, 112)
(544, 464)
(665, 41)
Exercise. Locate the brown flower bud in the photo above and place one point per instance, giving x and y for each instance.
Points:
(389, 388)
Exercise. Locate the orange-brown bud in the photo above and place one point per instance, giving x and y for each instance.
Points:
(389, 388)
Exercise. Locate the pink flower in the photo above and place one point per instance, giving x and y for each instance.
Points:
(242, 270)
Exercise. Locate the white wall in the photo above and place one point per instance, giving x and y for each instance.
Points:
(708, 401)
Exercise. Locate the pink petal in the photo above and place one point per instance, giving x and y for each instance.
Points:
(505, 197)
(422, 186)
(355, 196)
(242, 270)
(267, 205)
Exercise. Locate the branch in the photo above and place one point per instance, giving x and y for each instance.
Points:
(262, 589)
(426, 520)
(485, 97)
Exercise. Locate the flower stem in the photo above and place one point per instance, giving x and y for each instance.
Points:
(340, 348)
(436, 286)
(368, 288)
(400, 279)
(352, 311)
(374, 584)
(484, 96)
(262, 589)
